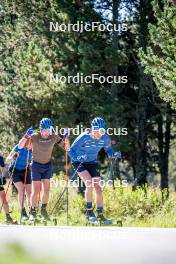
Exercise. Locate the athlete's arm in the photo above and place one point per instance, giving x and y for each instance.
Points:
(23, 141)
(110, 152)
(76, 146)
(12, 154)
(60, 142)
(108, 148)
(10, 157)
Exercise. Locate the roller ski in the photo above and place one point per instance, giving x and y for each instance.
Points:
(45, 221)
(103, 221)
(45, 218)
(100, 219)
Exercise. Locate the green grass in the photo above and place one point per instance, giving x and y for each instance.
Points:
(14, 253)
(135, 208)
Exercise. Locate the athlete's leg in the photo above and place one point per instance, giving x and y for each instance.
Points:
(20, 187)
(4, 202)
(28, 194)
(99, 200)
(35, 193)
(87, 179)
(3, 199)
(45, 189)
(98, 192)
(45, 198)
(84, 174)
(36, 183)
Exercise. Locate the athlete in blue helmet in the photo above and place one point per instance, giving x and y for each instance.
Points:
(41, 166)
(83, 153)
(17, 160)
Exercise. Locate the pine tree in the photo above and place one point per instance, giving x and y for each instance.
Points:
(159, 58)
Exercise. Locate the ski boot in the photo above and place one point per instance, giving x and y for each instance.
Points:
(32, 216)
(91, 218)
(103, 220)
(24, 216)
(10, 220)
(44, 216)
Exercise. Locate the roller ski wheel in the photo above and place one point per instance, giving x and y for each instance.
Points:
(108, 222)
(92, 223)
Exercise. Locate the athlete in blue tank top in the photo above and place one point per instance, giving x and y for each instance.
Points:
(21, 155)
(19, 160)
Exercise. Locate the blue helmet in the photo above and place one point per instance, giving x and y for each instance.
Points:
(98, 123)
(46, 123)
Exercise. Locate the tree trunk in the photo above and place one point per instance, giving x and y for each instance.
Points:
(164, 147)
(141, 158)
(115, 72)
(144, 83)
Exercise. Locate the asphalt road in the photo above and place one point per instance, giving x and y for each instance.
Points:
(91, 245)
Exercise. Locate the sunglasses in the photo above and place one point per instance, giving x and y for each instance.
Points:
(101, 131)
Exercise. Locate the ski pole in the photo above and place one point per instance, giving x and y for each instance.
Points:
(67, 146)
(57, 202)
(76, 171)
(10, 179)
(59, 199)
(111, 171)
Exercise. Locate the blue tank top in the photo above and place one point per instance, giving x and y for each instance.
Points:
(22, 158)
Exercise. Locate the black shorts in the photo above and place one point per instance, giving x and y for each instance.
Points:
(1, 188)
(41, 171)
(19, 176)
(92, 168)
